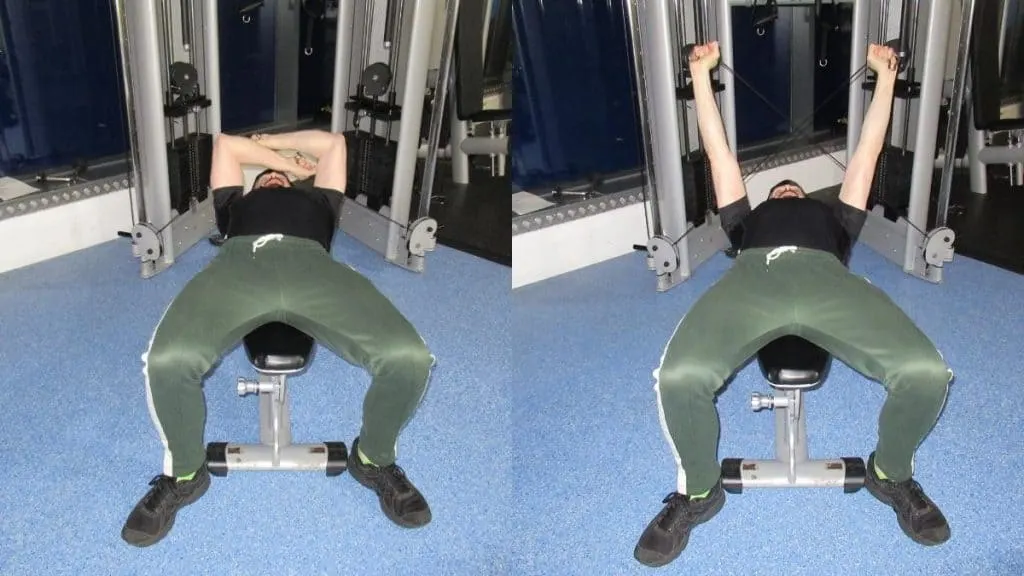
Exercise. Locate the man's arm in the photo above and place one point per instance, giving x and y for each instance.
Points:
(230, 153)
(860, 172)
(328, 148)
(725, 170)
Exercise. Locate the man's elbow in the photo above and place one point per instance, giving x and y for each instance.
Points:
(339, 143)
(856, 189)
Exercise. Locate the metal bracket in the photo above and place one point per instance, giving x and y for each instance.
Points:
(663, 255)
(889, 239)
(157, 248)
(422, 236)
(938, 246)
(146, 243)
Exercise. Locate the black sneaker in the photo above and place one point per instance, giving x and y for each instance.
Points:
(917, 515)
(666, 536)
(401, 502)
(153, 517)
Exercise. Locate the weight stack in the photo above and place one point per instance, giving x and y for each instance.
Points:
(697, 188)
(371, 167)
(188, 164)
(891, 185)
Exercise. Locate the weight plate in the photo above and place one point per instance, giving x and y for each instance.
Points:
(376, 79)
(184, 78)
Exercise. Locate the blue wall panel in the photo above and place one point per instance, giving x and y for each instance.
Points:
(247, 67)
(61, 87)
(573, 107)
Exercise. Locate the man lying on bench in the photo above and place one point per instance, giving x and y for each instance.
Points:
(790, 277)
(276, 266)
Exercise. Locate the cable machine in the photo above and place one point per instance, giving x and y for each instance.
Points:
(169, 50)
(380, 82)
(897, 223)
(684, 229)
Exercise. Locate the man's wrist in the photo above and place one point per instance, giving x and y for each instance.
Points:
(887, 76)
(698, 72)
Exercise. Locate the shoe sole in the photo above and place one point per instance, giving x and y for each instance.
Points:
(659, 561)
(881, 497)
(146, 540)
(354, 470)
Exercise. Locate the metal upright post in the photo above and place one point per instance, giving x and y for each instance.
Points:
(135, 177)
(955, 103)
(147, 75)
(728, 94)
(342, 64)
(932, 81)
(416, 63)
(858, 58)
(445, 84)
(211, 49)
(650, 181)
(656, 22)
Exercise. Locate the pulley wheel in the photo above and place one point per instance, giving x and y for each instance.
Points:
(184, 78)
(376, 79)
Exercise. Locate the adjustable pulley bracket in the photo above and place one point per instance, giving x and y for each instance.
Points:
(184, 95)
(146, 242)
(421, 236)
(662, 255)
(938, 246)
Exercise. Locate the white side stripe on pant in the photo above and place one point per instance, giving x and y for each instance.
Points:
(168, 457)
(681, 473)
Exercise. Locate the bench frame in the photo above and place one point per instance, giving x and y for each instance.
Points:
(791, 365)
(277, 351)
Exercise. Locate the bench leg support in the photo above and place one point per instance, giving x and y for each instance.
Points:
(275, 452)
(791, 468)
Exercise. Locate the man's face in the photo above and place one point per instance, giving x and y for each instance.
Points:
(272, 180)
(787, 191)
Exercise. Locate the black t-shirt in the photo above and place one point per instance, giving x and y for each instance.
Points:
(804, 222)
(310, 213)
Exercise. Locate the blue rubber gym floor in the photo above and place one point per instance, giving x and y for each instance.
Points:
(595, 466)
(79, 448)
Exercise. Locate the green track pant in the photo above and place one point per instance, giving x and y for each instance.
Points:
(808, 293)
(256, 280)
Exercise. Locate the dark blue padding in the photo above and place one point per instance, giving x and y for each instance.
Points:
(279, 347)
(791, 360)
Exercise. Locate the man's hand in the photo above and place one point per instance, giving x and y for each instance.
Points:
(882, 60)
(304, 167)
(704, 57)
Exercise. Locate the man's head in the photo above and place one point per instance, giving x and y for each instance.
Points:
(786, 189)
(271, 179)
